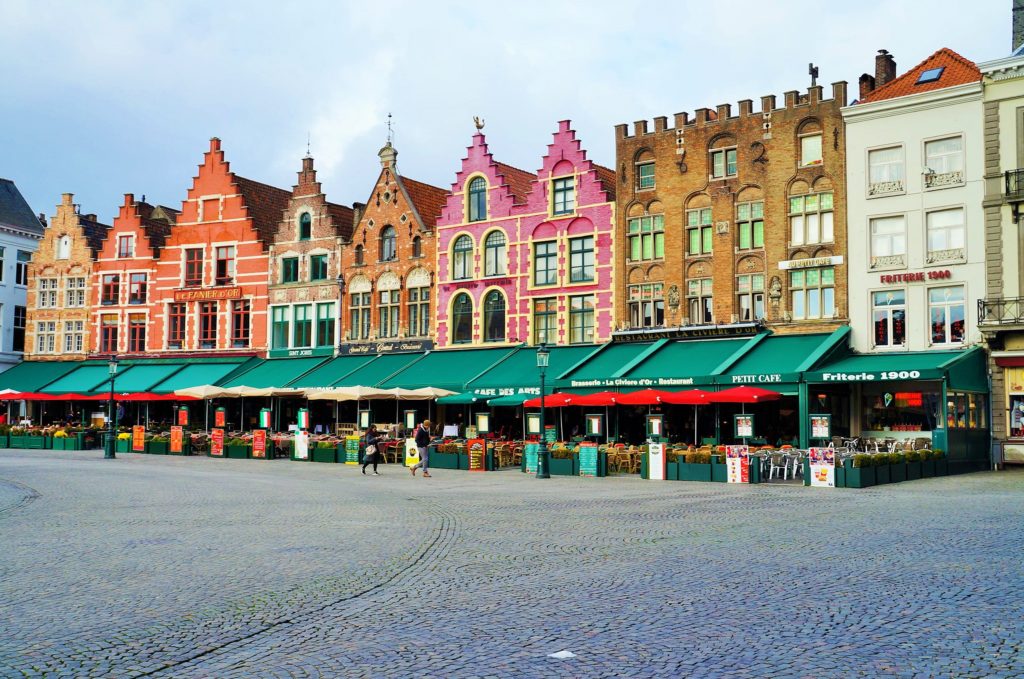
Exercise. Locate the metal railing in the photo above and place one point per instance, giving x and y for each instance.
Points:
(1009, 311)
(1015, 184)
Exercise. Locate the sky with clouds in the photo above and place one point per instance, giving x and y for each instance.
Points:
(106, 98)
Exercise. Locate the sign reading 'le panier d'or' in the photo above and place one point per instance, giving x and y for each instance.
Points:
(205, 294)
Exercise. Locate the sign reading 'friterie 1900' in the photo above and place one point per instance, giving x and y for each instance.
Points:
(203, 294)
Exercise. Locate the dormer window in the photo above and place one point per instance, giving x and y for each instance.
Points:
(305, 226)
(563, 193)
(388, 244)
(64, 247)
(477, 199)
(125, 246)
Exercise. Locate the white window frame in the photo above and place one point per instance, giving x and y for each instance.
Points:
(934, 180)
(821, 151)
(885, 186)
(896, 260)
(889, 320)
(947, 305)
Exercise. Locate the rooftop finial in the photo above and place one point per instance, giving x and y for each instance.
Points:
(479, 122)
(308, 138)
(812, 70)
(389, 127)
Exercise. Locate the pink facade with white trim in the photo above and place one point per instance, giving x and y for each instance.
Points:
(548, 294)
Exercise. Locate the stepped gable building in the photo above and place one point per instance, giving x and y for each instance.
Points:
(305, 266)
(527, 257)
(123, 273)
(734, 219)
(60, 294)
(388, 265)
(210, 294)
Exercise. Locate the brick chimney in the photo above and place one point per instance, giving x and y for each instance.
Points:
(867, 85)
(1018, 24)
(885, 68)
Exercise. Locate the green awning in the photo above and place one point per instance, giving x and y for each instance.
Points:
(380, 368)
(275, 372)
(330, 372)
(465, 398)
(518, 373)
(598, 369)
(196, 375)
(681, 363)
(448, 369)
(777, 360)
(511, 400)
(903, 366)
(31, 376)
(85, 378)
(143, 377)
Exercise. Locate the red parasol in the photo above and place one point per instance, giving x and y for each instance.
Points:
(746, 394)
(551, 400)
(644, 397)
(690, 397)
(601, 398)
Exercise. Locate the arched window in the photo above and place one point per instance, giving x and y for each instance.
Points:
(64, 247)
(494, 317)
(305, 226)
(462, 258)
(462, 319)
(417, 247)
(477, 199)
(388, 250)
(495, 263)
(359, 254)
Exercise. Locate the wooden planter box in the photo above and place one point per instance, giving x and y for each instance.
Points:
(123, 445)
(882, 475)
(186, 448)
(672, 471)
(324, 454)
(562, 467)
(69, 443)
(719, 471)
(927, 469)
(913, 471)
(158, 447)
(5, 440)
(942, 467)
(840, 476)
(33, 442)
(689, 471)
(237, 452)
(898, 472)
(858, 477)
(443, 460)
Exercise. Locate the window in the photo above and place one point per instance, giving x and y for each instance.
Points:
(325, 325)
(700, 301)
(494, 317)
(225, 264)
(302, 327)
(723, 163)
(545, 263)
(545, 321)
(74, 337)
(2, 267)
(946, 310)
(750, 291)
(388, 244)
(646, 306)
(417, 247)
(462, 258)
(462, 319)
(477, 199)
(495, 259)
(47, 296)
(387, 313)
(888, 241)
(946, 235)
(810, 219)
(750, 225)
(241, 311)
(137, 288)
(359, 255)
(359, 315)
(813, 293)
(289, 269)
(305, 226)
(176, 325)
(21, 269)
(207, 325)
(930, 76)
(108, 333)
(885, 171)
(581, 259)
(419, 312)
(111, 289)
(64, 247)
(46, 337)
(699, 234)
(318, 267)
(563, 196)
(193, 267)
(644, 176)
(125, 246)
(75, 293)
(646, 238)
(810, 150)
(581, 319)
(889, 316)
(136, 333)
(279, 327)
(944, 162)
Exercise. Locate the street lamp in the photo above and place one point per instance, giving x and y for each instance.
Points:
(108, 449)
(542, 451)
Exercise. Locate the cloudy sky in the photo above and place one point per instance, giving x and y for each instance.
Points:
(105, 98)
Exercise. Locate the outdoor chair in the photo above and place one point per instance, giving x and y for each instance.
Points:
(778, 463)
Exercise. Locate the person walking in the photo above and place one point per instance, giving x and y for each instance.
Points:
(422, 441)
(370, 454)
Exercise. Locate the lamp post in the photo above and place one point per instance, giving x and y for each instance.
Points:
(542, 451)
(108, 449)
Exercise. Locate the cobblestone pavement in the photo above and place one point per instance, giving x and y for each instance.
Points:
(195, 567)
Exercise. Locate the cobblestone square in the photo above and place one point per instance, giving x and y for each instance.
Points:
(198, 567)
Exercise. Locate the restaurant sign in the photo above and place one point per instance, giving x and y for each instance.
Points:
(688, 332)
(385, 347)
(916, 276)
(508, 391)
(811, 262)
(871, 376)
(205, 294)
(629, 382)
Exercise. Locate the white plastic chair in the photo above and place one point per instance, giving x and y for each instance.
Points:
(777, 462)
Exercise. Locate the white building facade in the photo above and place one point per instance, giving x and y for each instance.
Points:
(20, 233)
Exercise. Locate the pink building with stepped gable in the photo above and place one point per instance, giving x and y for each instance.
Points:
(527, 257)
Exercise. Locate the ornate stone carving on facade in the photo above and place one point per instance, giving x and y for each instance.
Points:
(884, 188)
(673, 296)
(934, 180)
(775, 292)
(887, 261)
(950, 255)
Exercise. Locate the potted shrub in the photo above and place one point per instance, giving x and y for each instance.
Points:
(927, 464)
(325, 451)
(881, 465)
(5, 436)
(123, 442)
(697, 467)
(913, 464)
(237, 448)
(561, 462)
(719, 468)
(860, 471)
(61, 441)
(897, 467)
(443, 456)
(158, 445)
(672, 459)
(24, 438)
(941, 462)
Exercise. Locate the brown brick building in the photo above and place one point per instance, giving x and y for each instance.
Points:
(388, 265)
(734, 217)
(59, 286)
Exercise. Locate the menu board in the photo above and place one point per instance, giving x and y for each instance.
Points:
(477, 449)
(737, 465)
(823, 467)
(550, 433)
(217, 443)
(352, 450)
(588, 460)
(301, 445)
(821, 426)
(259, 443)
(744, 426)
(219, 417)
(177, 436)
(656, 461)
(530, 451)
(183, 416)
(483, 423)
(139, 439)
(532, 423)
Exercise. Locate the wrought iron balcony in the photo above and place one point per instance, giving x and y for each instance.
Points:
(1015, 184)
(1009, 311)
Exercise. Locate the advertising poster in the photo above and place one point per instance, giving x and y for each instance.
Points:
(138, 439)
(412, 453)
(265, 418)
(483, 423)
(177, 438)
(821, 426)
(595, 425)
(183, 416)
(477, 449)
(533, 423)
(744, 426)
(656, 461)
(217, 443)
(530, 452)
(301, 445)
(823, 467)
(352, 450)
(259, 443)
(738, 469)
(219, 417)
(588, 459)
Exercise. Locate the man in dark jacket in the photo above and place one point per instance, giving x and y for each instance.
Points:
(422, 441)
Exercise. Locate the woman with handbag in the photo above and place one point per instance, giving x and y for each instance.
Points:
(370, 453)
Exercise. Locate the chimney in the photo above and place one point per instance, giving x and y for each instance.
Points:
(867, 85)
(885, 68)
(1018, 24)
(42, 218)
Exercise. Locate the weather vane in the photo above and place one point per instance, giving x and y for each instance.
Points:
(389, 128)
(479, 122)
(308, 138)
(812, 70)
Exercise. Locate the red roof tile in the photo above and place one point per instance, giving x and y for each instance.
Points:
(156, 223)
(266, 206)
(606, 176)
(518, 181)
(956, 71)
(428, 200)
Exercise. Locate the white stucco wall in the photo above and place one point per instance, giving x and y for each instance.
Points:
(11, 294)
